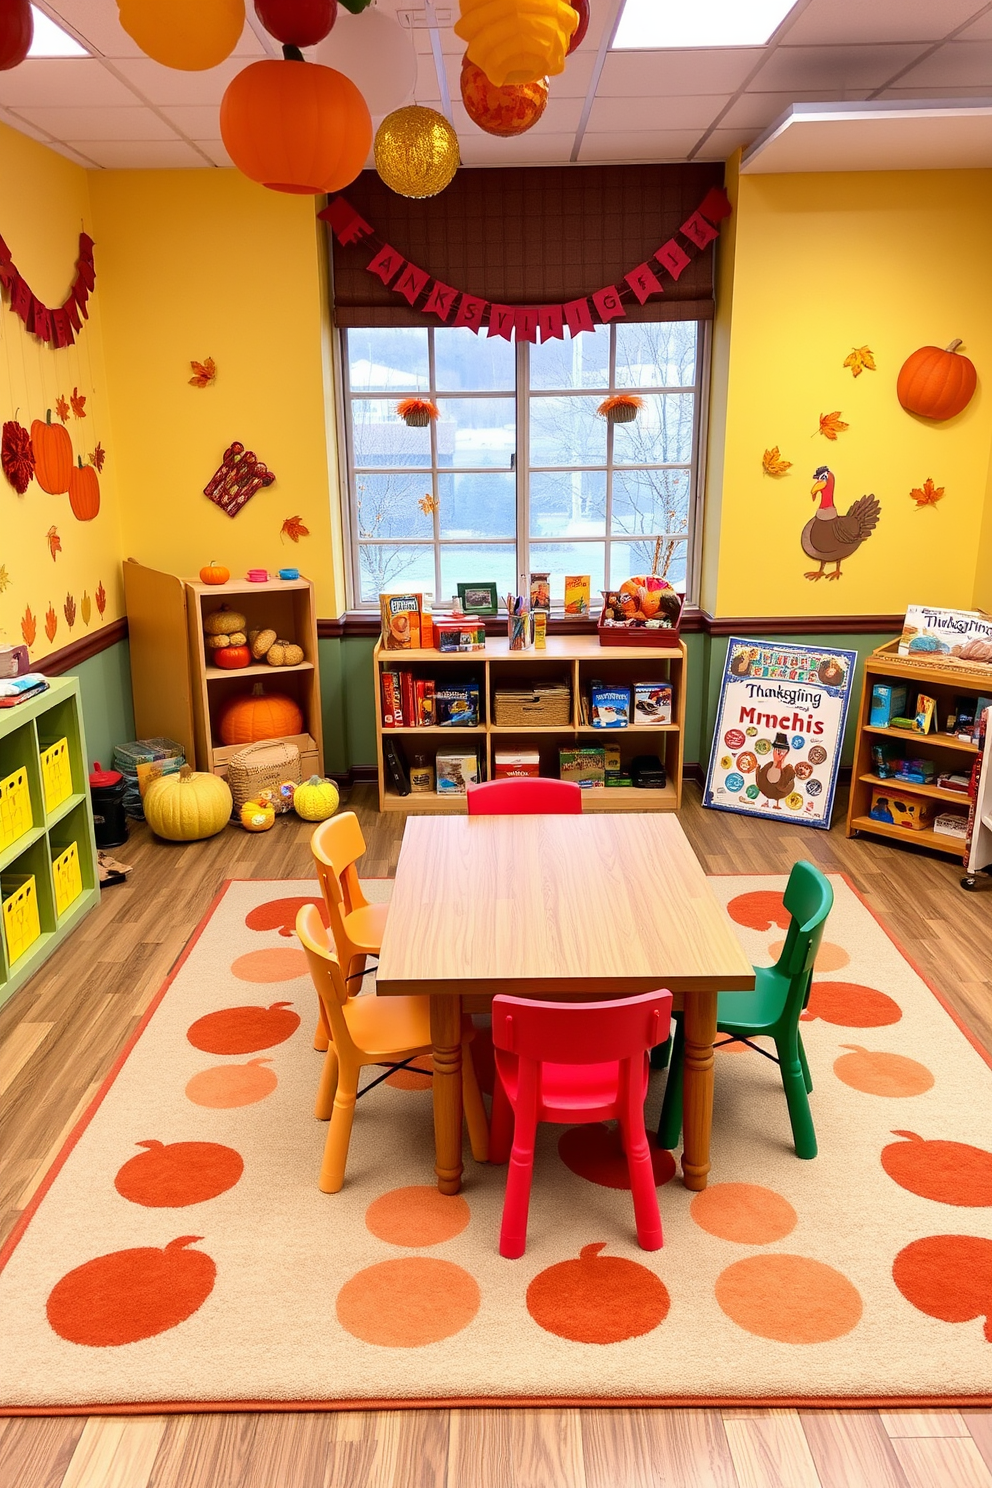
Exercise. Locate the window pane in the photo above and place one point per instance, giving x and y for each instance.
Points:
(464, 362)
(383, 439)
(476, 431)
(566, 431)
(381, 360)
(656, 353)
(572, 363)
(651, 501)
(570, 558)
(485, 563)
(569, 504)
(391, 567)
(388, 505)
(630, 558)
(661, 434)
(475, 505)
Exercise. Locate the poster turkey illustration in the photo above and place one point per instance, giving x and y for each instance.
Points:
(779, 730)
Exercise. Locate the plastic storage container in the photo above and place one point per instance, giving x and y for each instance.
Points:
(56, 773)
(16, 816)
(107, 792)
(19, 904)
(68, 878)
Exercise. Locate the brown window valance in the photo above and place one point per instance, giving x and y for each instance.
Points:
(530, 237)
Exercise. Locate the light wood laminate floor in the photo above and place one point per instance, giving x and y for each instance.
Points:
(60, 1034)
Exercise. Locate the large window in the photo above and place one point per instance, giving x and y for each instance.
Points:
(519, 473)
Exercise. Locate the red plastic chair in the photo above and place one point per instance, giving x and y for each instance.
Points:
(526, 796)
(570, 1063)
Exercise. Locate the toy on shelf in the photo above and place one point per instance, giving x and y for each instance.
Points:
(257, 576)
(316, 799)
(214, 573)
(189, 806)
(913, 812)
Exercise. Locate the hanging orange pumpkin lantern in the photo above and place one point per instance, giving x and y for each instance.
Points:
(936, 384)
(295, 126)
(16, 32)
(505, 111)
(190, 35)
(517, 41)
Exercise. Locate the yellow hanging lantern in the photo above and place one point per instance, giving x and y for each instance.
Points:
(416, 151)
(190, 35)
(517, 41)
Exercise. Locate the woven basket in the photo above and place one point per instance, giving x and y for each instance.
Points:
(262, 767)
(548, 704)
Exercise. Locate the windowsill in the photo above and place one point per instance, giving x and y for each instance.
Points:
(365, 623)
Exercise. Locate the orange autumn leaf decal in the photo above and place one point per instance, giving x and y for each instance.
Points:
(86, 607)
(62, 408)
(101, 598)
(203, 373)
(51, 623)
(69, 610)
(29, 626)
(831, 424)
(861, 359)
(98, 456)
(78, 401)
(54, 541)
(772, 462)
(926, 495)
(294, 529)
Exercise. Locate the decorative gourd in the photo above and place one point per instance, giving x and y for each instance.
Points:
(316, 799)
(214, 573)
(257, 816)
(284, 653)
(259, 715)
(936, 384)
(238, 638)
(260, 641)
(232, 657)
(84, 491)
(52, 455)
(188, 806)
(224, 621)
(216, 642)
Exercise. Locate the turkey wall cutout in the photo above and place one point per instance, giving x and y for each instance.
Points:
(829, 537)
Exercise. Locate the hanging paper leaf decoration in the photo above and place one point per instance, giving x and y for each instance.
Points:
(860, 360)
(51, 623)
(78, 401)
(86, 607)
(69, 609)
(831, 424)
(29, 626)
(17, 455)
(98, 456)
(203, 373)
(101, 597)
(62, 408)
(54, 541)
(294, 529)
(772, 462)
(927, 495)
(428, 504)
(5, 579)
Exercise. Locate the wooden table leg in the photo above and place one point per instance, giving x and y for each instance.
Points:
(446, 1036)
(697, 1098)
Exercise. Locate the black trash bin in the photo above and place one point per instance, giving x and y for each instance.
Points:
(107, 795)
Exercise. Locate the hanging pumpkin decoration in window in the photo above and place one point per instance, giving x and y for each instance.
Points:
(190, 35)
(505, 111)
(416, 152)
(623, 409)
(517, 41)
(417, 413)
(16, 33)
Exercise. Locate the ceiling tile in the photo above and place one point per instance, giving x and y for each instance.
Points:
(651, 145)
(69, 124)
(657, 74)
(140, 154)
(879, 20)
(958, 64)
(426, 87)
(529, 149)
(71, 80)
(655, 113)
(972, 94)
(722, 143)
(762, 109)
(980, 31)
(196, 121)
(165, 85)
(834, 67)
(215, 150)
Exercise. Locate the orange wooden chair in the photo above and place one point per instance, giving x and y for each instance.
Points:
(356, 925)
(370, 1030)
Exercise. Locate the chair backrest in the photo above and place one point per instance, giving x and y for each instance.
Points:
(809, 899)
(581, 1032)
(336, 845)
(325, 970)
(526, 796)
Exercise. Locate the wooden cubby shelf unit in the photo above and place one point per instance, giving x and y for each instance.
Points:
(948, 752)
(580, 659)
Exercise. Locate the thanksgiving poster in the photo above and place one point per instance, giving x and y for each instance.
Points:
(779, 730)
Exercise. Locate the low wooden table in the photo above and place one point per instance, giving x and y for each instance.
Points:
(558, 906)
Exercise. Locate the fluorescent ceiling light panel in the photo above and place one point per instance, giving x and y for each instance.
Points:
(650, 25)
(50, 40)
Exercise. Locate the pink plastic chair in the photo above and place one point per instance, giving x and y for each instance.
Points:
(570, 1063)
(526, 796)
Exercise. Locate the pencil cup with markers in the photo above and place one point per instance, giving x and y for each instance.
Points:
(518, 631)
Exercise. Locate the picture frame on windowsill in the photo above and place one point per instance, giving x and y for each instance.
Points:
(478, 599)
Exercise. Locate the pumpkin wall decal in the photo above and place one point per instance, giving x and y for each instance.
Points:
(84, 491)
(936, 384)
(259, 715)
(188, 806)
(52, 455)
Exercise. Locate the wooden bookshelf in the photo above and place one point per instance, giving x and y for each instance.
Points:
(579, 659)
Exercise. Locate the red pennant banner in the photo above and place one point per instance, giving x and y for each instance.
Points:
(715, 205)
(501, 321)
(698, 230)
(62, 330)
(579, 316)
(72, 310)
(644, 283)
(551, 322)
(344, 222)
(672, 257)
(607, 302)
(44, 319)
(55, 326)
(471, 312)
(20, 298)
(411, 282)
(386, 264)
(80, 294)
(441, 300)
(525, 323)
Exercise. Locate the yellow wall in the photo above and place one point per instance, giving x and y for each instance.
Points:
(44, 203)
(206, 264)
(821, 264)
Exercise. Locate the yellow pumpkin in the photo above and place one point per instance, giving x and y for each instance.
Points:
(316, 799)
(257, 816)
(224, 621)
(517, 41)
(188, 806)
(284, 653)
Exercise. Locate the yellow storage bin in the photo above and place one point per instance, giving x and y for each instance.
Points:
(16, 816)
(19, 904)
(56, 773)
(68, 878)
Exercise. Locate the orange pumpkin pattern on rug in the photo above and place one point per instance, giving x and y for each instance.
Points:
(875, 1072)
(243, 1030)
(593, 1151)
(280, 914)
(759, 910)
(948, 1277)
(789, 1298)
(170, 1177)
(947, 1172)
(408, 1303)
(228, 1085)
(272, 964)
(129, 1295)
(744, 1212)
(417, 1216)
(829, 957)
(597, 1298)
(849, 1005)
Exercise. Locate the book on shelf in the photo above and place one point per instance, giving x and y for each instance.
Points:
(425, 711)
(408, 693)
(396, 769)
(392, 703)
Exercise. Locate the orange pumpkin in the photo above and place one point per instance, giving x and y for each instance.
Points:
(214, 573)
(259, 715)
(84, 491)
(936, 384)
(231, 658)
(52, 455)
(506, 111)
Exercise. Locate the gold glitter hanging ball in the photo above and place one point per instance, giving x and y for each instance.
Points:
(416, 151)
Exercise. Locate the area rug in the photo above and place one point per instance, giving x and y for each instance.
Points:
(180, 1255)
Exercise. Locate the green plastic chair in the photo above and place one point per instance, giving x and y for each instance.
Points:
(772, 1010)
